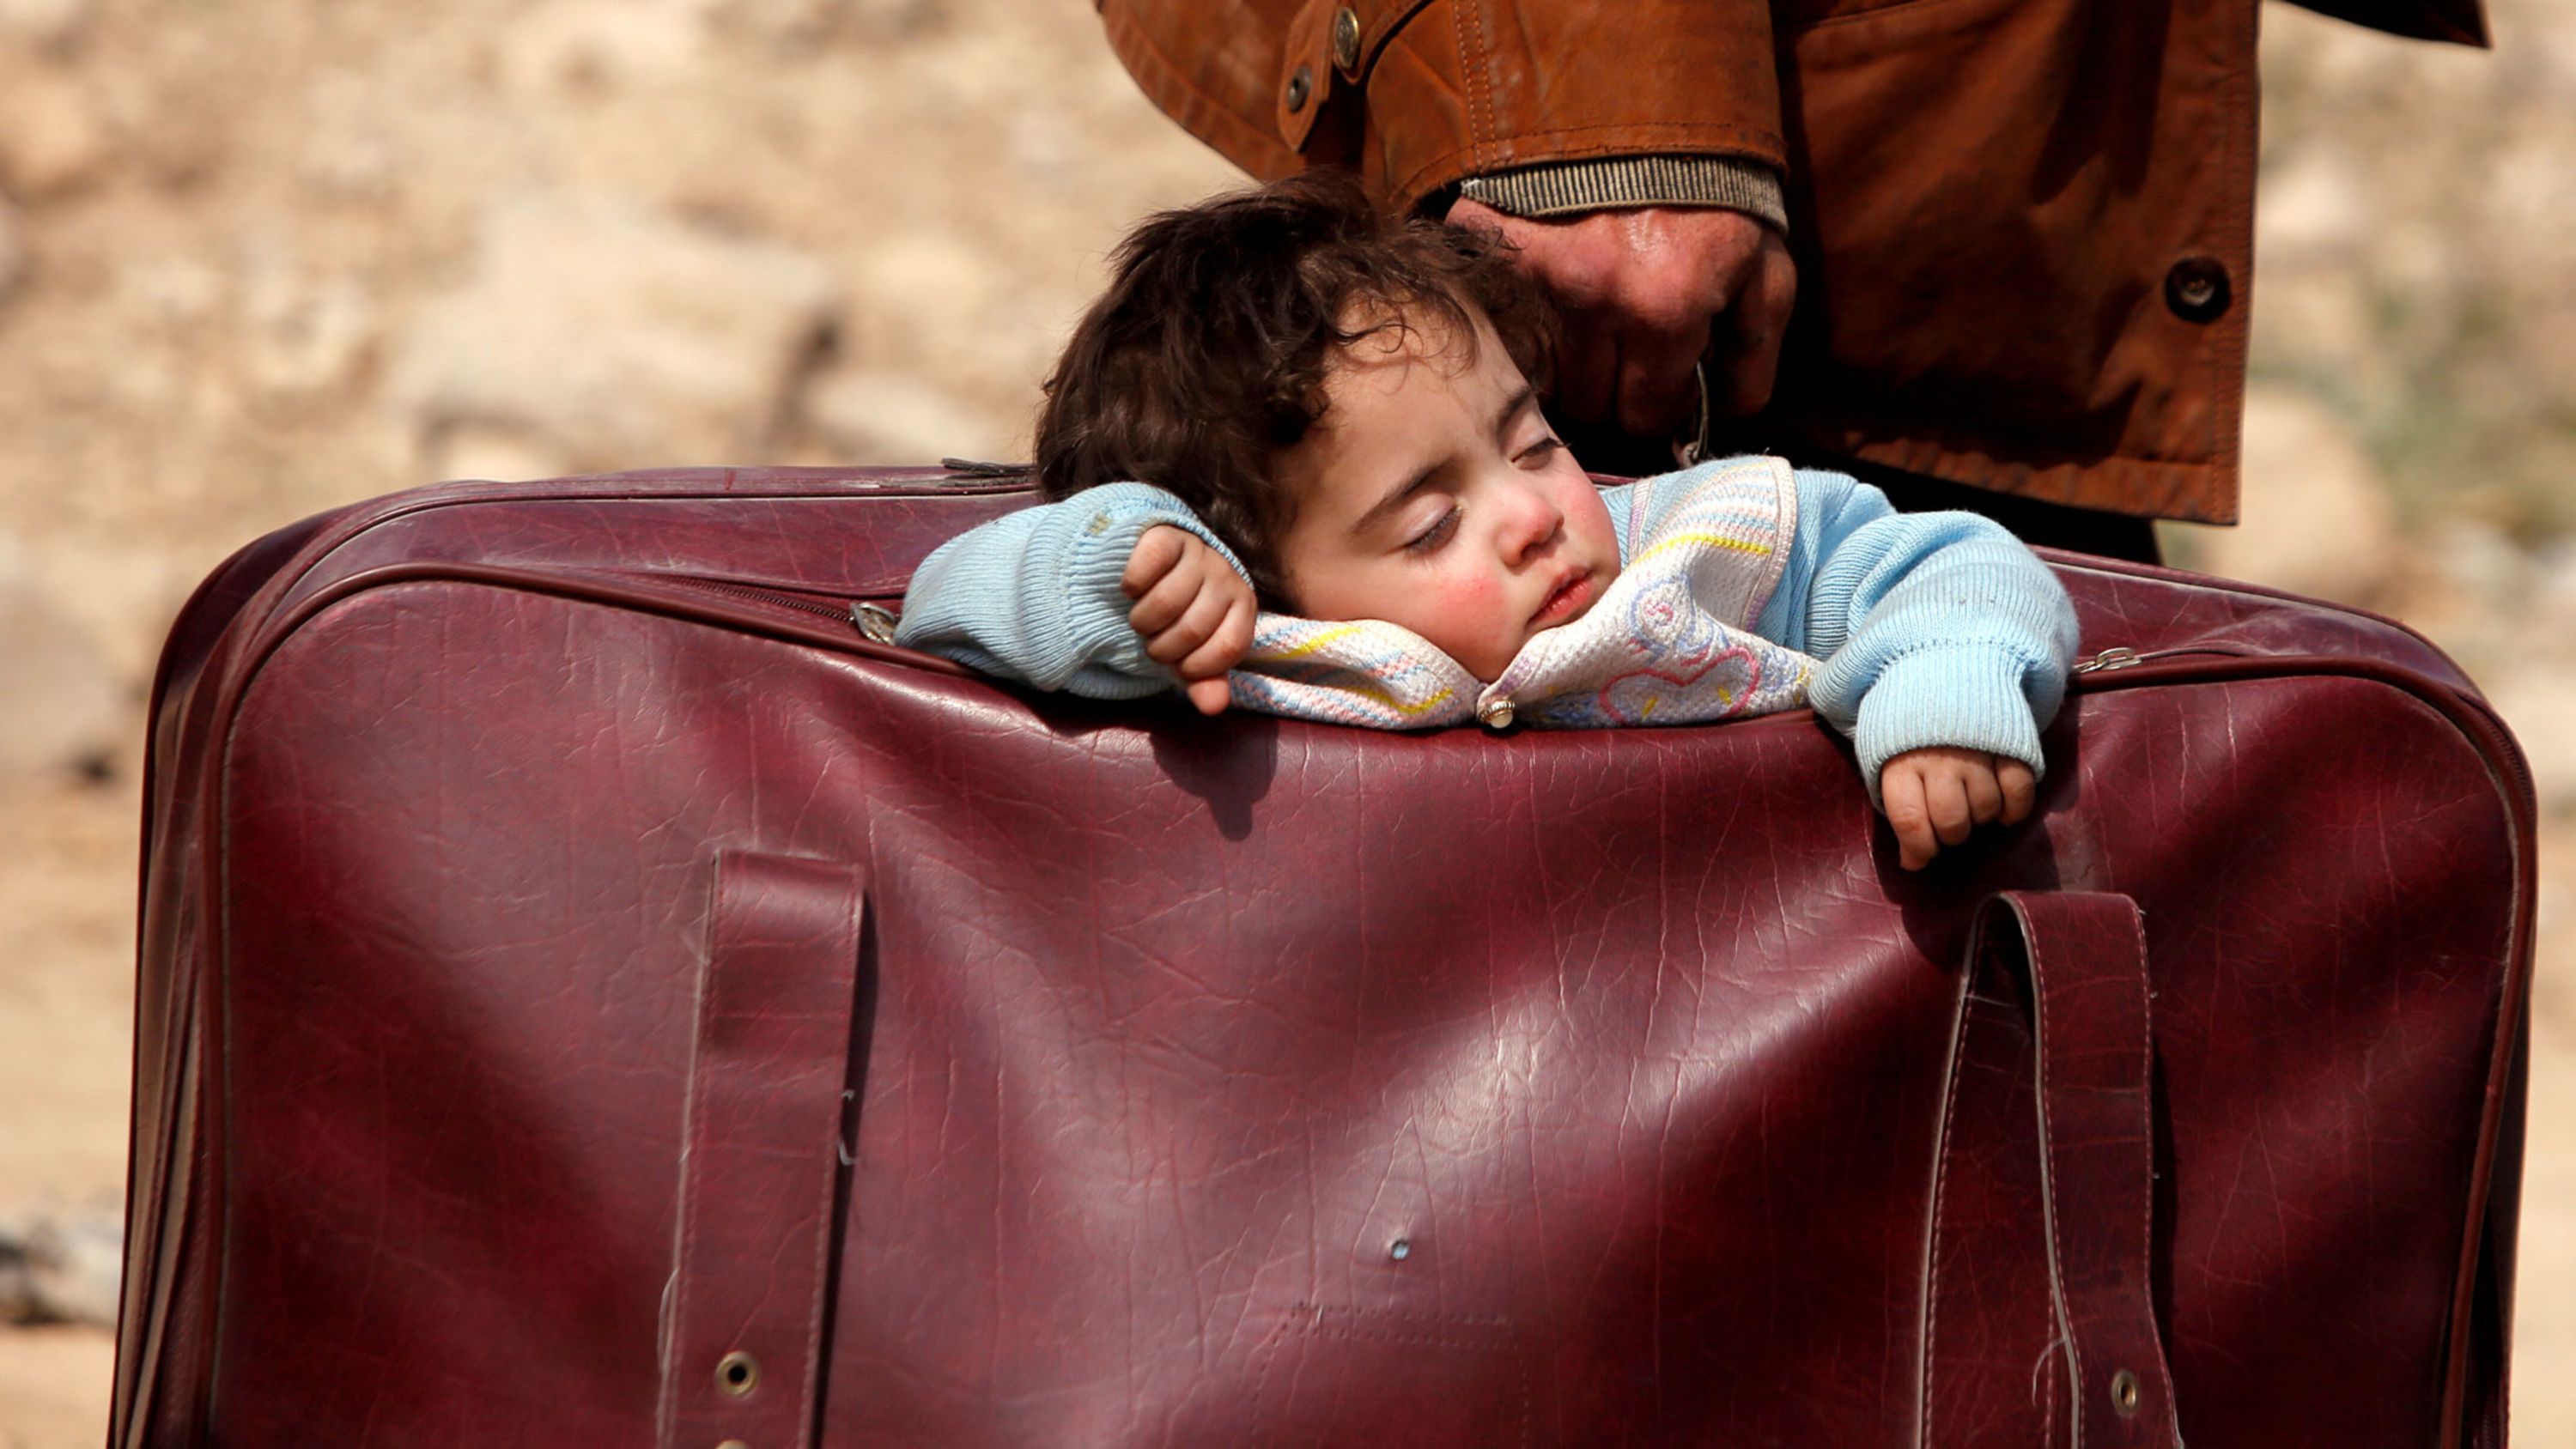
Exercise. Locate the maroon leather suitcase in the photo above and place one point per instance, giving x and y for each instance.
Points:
(591, 993)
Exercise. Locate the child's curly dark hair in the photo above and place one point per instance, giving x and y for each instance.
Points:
(1207, 354)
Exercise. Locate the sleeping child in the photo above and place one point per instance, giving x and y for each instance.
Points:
(1298, 465)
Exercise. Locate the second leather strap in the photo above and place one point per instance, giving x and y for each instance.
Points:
(2039, 1313)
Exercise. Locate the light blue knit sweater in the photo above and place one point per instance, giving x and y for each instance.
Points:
(1932, 628)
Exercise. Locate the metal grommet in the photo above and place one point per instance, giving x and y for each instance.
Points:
(1401, 1248)
(2197, 289)
(737, 1373)
(1346, 41)
(2124, 1393)
(1300, 86)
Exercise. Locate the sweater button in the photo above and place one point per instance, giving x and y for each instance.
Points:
(1299, 85)
(1346, 41)
(1495, 713)
(2196, 289)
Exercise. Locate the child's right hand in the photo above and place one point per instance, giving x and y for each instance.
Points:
(1194, 611)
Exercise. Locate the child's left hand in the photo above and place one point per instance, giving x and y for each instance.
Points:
(1935, 796)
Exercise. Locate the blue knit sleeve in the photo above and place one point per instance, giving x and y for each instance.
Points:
(1932, 628)
(1033, 596)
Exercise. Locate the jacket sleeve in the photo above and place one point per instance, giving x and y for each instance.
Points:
(1033, 596)
(1434, 91)
(1932, 628)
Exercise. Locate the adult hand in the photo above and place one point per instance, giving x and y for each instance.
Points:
(1641, 292)
(1195, 611)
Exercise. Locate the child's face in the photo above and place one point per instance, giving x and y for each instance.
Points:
(1433, 495)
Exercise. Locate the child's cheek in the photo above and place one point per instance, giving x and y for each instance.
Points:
(1471, 611)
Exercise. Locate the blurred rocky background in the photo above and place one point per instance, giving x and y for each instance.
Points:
(262, 257)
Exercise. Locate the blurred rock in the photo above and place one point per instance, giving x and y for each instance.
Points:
(616, 337)
(2481, 566)
(1044, 149)
(176, 127)
(13, 262)
(353, 165)
(51, 141)
(2540, 63)
(2317, 519)
(928, 284)
(785, 24)
(2553, 595)
(603, 45)
(303, 334)
(472, 450)
(61, 1267)
(781, 25)
(882, 19)
(169, 291)
(60, 703)
(2311, 209)
(2538, 701)
(888, 418)
(42, 22)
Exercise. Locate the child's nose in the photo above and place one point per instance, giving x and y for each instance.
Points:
(1532, 521)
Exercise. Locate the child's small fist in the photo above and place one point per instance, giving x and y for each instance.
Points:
(1193, 610)
(1935, 797)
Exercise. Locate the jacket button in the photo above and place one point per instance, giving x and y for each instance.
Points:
(1298, 87)
(1346, 41)
(2196, 289)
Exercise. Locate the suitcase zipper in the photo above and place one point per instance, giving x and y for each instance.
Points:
(2120, 656)
(874, 621)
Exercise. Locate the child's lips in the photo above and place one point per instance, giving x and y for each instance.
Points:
(1570, 597)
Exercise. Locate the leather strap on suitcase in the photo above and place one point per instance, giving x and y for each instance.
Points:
(2046, 1132)
(762, 1169)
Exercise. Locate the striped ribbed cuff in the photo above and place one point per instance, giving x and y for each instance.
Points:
(1556, 188)
(1965, 696)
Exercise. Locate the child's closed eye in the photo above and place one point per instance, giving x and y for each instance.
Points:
(1538, 454)
(1437, 534)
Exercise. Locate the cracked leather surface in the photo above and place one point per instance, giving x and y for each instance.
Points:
(1249, 1080)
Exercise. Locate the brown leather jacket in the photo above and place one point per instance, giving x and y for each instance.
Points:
(2023, 228)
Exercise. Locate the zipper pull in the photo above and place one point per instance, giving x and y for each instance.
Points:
(2117, 657)
(875, 621)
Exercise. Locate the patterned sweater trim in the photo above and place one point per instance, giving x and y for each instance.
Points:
(1671, 640)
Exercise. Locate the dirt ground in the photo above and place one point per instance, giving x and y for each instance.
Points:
(260, 258)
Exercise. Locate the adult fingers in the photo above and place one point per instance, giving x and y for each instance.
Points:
(1658, 390)
(2020, 789)
(1679, 269)
(1744, 361)
(1587, 368)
